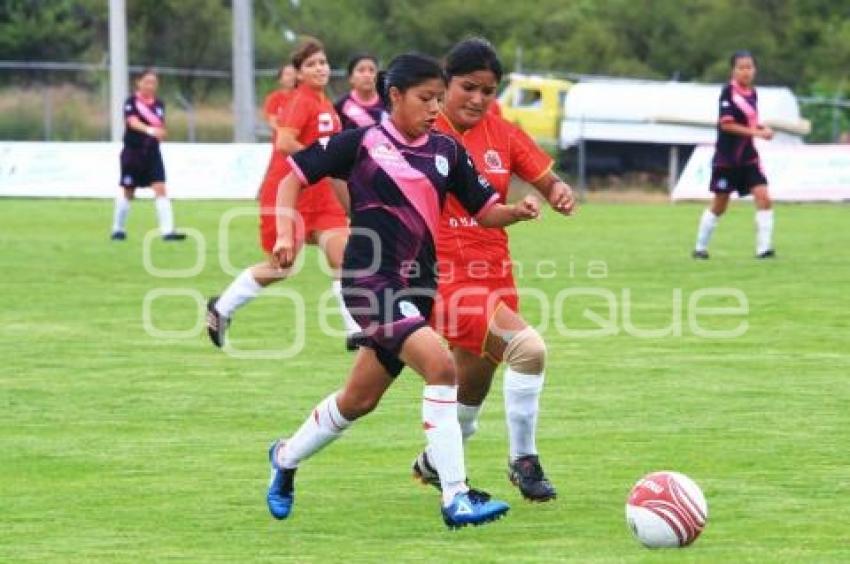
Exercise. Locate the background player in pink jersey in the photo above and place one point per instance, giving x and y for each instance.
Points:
(141, 159)
(477, 310)
(736, 166)
(361, 106)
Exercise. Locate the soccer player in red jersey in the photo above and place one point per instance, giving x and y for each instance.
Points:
(362, 106)
(399, 174)
(736, 166)
(273, 107)
(141, 160)
(477, 310)
(308, 116)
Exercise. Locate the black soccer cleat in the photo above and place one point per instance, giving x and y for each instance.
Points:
(217, 324)
(527, 474)
(768, 254)
(700, 255)
(424, 472)
(118, 236)
(174, 236)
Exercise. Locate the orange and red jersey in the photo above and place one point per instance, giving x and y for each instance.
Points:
(498, 149)
(273, 106)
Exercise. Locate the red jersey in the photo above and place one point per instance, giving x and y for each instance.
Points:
(498, 149)
(273, 106)
(312, 115)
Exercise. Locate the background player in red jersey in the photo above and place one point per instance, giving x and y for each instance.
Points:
(141, 159)
(306, 117)
(736, 166)
(276, 100)
(361, 106)
(399, 173)
(477, 309)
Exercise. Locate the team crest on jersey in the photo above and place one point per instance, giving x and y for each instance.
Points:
(492, 159)
(326, 122)
(407, 309)
(159, 111)
(442, 165)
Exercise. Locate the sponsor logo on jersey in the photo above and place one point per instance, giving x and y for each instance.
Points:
(385, 153)
(442, 164)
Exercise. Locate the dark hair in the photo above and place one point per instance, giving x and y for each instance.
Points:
(308, 47)
(741, 54)
(406, 71)
(471, 55)
(146, 71)
(355, 60)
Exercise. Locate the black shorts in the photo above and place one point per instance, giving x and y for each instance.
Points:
(388, 313)
(740, 179)
(141, 167)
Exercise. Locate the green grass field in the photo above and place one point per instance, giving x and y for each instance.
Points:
(119, 446)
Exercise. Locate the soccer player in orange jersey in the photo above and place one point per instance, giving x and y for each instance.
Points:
(307, 116)
(477, 309)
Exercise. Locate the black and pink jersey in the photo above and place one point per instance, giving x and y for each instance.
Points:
(151, 112)
(397, 191)
(737, 105)
(354, 112)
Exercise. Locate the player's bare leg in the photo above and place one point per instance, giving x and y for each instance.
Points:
(332, 242)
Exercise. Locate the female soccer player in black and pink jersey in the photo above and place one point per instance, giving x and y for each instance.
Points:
(141, 160)
(736, 166)
(399, 174)
(362, 106)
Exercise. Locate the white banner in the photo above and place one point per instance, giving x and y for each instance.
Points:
(794, 172)
(91, 170)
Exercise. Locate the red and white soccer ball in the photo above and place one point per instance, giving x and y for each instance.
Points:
(666, 510)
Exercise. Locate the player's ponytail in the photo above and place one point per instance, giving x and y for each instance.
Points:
(406, 71)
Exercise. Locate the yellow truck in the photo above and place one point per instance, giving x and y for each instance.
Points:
(536, 104)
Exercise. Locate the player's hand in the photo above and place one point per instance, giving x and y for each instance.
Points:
(765, 132)
(561, 198)
(284, 251)
(527, 208)
(158, 133)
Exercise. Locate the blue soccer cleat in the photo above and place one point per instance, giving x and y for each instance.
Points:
(281, 494)
(473, 508)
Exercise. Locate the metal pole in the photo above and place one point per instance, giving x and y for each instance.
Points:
(117, 66)
(674, 168)
(243, 71)
(582, 162)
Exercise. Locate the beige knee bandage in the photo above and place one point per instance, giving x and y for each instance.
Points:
(526, 352)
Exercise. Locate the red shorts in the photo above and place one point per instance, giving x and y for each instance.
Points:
(318, 206)
(463, 309)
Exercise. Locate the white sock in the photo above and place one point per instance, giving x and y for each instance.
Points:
(323, 426)
(707, 223)
(351, 326)
(164, 215)
(467, 416)
(242, 290)
(119, 216)
(764, 230)
(445, 443)
(522, 399)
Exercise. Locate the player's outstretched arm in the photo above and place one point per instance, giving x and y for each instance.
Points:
(287, 195)
(502, 215)
(557, 192)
